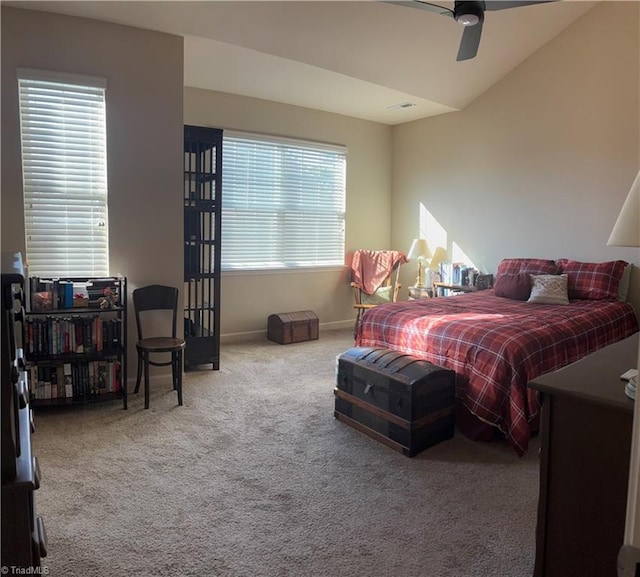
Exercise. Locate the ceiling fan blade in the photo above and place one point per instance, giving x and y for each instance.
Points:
(470, 42)
(503, 4)
(421, 5)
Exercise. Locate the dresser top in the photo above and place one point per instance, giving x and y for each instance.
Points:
(595, 377)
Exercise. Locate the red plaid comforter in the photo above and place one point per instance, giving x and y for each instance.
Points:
(496, 345)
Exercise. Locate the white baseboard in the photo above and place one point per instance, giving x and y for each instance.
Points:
(262, 334)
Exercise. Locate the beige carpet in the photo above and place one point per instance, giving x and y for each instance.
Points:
(253, 477)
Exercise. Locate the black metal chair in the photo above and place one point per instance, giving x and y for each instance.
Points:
(157, 298)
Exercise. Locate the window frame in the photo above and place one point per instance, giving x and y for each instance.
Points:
(337, 241)
(66, 211)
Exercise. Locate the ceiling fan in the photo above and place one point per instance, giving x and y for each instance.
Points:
(470, 15)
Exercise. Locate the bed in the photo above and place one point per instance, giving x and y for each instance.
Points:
(497, 343)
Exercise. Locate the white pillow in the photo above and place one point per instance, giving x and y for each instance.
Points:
(549, 289)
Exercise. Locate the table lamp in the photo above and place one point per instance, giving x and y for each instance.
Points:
(626, 232)
(420, 250)
(440, 256)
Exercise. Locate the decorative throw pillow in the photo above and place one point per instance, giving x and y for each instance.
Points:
(593, 280)
(530, 265)
(380, 297)
(513, 286)
(550, 289)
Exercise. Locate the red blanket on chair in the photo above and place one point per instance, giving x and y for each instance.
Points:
(369, 268)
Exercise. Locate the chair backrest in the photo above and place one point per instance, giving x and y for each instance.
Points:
(155, 298)
(376, 271)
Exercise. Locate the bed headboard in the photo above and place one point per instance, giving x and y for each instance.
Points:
(634, 290)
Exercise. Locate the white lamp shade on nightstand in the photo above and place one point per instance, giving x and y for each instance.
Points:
(439, 256)
(419, 249)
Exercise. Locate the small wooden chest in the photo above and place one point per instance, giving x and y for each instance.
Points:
(399, 400)
(295, 327)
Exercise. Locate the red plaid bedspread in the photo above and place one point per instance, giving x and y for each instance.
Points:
(496, 345)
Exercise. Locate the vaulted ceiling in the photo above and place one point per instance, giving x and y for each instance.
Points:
(359, 58)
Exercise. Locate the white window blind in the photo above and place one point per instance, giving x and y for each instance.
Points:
(283, 203)
(63, 130)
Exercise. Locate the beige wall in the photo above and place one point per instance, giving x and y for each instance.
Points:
(248, 298)
(144, 72)
(540, 164)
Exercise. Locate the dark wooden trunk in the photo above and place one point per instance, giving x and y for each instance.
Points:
(399, 400)
(295, 327)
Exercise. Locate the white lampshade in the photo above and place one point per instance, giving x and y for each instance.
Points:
(419, 249)
(439, 257)
(626, 231)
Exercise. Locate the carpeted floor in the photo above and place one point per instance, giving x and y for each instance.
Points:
(253, 477)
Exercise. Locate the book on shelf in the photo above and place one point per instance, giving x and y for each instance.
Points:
(103, 386)
(51, 384)
(68, 381)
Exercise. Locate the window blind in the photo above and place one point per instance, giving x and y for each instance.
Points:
(63, 134)
(283, 203)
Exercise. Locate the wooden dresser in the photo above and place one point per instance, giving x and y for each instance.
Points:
(586, 426)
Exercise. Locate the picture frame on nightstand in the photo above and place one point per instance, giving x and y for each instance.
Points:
(419, 293)
(484, 281)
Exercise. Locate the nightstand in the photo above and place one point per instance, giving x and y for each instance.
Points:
(419, 293)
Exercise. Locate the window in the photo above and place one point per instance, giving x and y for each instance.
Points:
(63, 132)
(283, 203)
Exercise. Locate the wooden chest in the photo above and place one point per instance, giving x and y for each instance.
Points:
(399, 400)
(295, 327)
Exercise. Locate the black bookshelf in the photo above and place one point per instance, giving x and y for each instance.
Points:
(202, 250)
(75, 340)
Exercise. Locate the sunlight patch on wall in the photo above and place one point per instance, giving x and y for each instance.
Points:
(431, 229)
(459, 256)
(436, 236)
